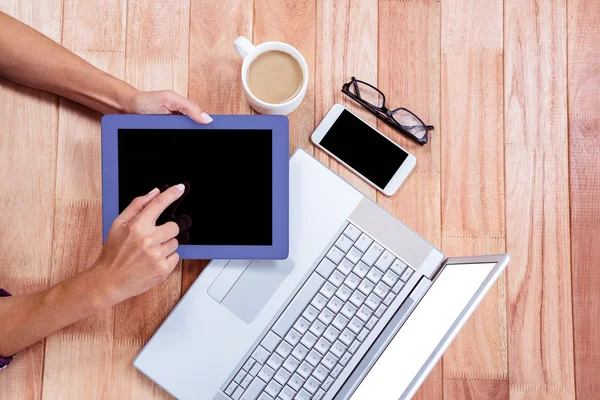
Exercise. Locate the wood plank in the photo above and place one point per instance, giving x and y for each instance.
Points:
(157, 42)
(537, 201)
(409, 47)
(27, 180)
(584, 123)
(292, 22)
(472, 183)
(475, 389)
(346, 46)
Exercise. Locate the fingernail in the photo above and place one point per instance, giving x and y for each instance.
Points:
(152, 191)
(206, 117)
(180, 187)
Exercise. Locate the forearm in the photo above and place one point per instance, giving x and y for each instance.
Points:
(29, 58)
(26, 319)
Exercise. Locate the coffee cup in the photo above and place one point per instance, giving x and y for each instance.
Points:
(274, 76)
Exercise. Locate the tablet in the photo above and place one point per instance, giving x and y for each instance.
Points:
(237, 167)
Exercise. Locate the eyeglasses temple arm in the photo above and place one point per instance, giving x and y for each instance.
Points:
(429, 127)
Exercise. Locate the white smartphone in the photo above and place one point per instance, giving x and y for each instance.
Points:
(366, 151)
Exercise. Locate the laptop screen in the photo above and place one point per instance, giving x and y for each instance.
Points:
(423, 331)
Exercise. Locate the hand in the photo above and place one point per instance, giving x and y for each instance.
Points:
(166, 102)
(137, 253)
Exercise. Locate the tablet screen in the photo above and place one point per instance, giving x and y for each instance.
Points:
(230, 176)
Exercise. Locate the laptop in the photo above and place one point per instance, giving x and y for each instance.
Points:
(362, 308)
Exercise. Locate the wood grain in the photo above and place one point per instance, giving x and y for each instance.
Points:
(472, 155)
(475, 389)
(584, 125)
(537, 200)
(409, 76)
(27, 165)
(346, 46)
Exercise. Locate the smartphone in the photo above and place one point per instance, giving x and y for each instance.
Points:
(366, 151)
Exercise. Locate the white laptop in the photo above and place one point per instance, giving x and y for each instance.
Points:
(363, 307)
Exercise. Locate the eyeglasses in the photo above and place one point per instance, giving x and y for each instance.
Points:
(401, 119)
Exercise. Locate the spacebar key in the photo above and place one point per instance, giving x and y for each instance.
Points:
(296, 306)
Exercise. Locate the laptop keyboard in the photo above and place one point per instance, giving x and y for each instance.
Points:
(325, 325)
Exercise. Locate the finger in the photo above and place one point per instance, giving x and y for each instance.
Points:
(136, 206)
(169, 247)
(158, 204)
(187, 107)
(172, 261)
(166, 232)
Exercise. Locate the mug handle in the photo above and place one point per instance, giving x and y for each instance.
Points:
(243, 46)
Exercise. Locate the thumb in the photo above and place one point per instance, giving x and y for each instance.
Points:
(191, 109)
(136, 206)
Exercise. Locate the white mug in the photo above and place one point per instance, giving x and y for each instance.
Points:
(249, 52)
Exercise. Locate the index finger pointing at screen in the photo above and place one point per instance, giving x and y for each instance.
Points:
(161, 202)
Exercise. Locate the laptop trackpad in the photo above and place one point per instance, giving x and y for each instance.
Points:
(254, 287)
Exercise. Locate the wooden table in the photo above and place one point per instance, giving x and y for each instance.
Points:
(511, 86)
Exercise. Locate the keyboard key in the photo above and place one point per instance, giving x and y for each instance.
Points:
(321, 373)
(255, 368)
(291, 364)
(354, 347)
(282, 376)
(384, 262)
(301, 325)
(238, 393)
(361, 269)
(335, 304)
(338, 348)
(323, 346)
(354, 255)
(331, 333)
(344, 293)
(249, 363)
(287, 393)
(345, 358)
(246, 381)
(260, 354)
(253, 390)
(336, 371)
(389, 298)
(231, 388)
(314, 358)
(340, 321)
(348, 310)
(372, 322)
(373, 301)
(398, 267)
(352, 232)
(336, 278)
(300, 352)
(293, 337)
(239, 377)
(335, 255)
(344, 243)
(375, 275)
(366, 286)
(319, 395)
(326, 267)
(264, 396)
(347, 337)
(296, 382)
(303, 395)
(327, 384)
(284, 349)
(407, 274)
(363, 243)
(311, 385)
(356, 325)
(390, 278)
(380, 311)
(270, 341)
(381, 290)
(398, 287)
(317, 328)
(266, 373)
(308, 340)
(310, 313)
(330, 361)
(305, 370)
(328, 290)
(352, 281)
(320, 301)
(273, 388)
(346, 266)
(363, 334)
(275, 361)
(372, 254)
(326, 316)
(297, 305)
(357, 298)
